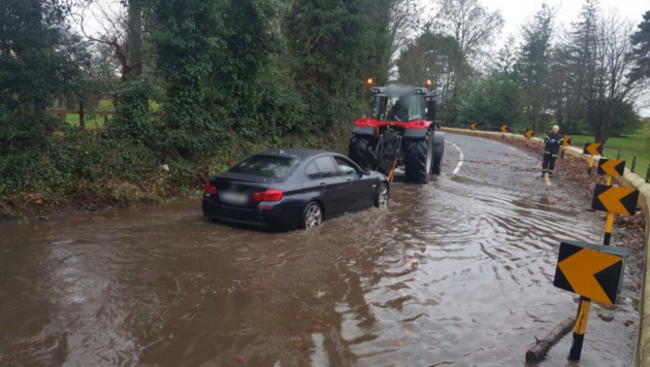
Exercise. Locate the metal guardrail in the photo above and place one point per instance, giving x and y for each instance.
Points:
(632, 162)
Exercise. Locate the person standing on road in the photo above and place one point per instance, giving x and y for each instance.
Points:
(553, 143)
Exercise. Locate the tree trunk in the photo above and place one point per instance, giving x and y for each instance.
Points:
(134, 40)
(537, 353)
(601, 135)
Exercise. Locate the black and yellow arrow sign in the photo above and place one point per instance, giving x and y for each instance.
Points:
(473, 126)
(590, 270)
(613, 199)
(611, 167)
(567, 141)
(529, 133)
(593, 149)
(504, 128)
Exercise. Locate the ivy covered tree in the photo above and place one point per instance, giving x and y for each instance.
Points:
(208, 54)
(334, 46)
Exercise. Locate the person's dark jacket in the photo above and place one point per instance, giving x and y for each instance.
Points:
(397, 111)
(553, 143)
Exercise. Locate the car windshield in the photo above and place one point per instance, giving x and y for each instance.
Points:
(267, 166)
(397, 108)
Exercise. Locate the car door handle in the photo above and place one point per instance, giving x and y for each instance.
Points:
(322, 183)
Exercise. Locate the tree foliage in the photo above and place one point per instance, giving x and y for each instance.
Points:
(199, 80)
(39, 58)
(494, 101)
(533, 65)
(597, 50)
(641, 52)
(334, 46)
(473, 28)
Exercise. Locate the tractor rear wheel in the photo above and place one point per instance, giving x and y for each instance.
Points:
(419, 158)
(362, 152)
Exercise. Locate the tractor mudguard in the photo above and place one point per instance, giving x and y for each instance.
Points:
(415, 133)
(364, 131)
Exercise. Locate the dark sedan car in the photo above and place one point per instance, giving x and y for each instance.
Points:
(286, 189)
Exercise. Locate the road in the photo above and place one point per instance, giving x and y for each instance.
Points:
(457, 272)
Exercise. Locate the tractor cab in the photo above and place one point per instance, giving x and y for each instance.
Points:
(403, 104)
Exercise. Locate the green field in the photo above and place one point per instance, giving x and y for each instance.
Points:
(97, 121)
(630, 146)
(93, 121)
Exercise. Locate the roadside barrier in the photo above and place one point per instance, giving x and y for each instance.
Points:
(636, 164)
(630, 178)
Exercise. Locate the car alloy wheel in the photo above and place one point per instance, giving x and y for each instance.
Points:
(382, 196)
(313, 216)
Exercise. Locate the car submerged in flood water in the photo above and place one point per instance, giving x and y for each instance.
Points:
(286, 189)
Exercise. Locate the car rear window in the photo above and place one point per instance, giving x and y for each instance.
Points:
(267, 166)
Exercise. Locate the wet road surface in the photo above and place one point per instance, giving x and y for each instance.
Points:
(454, 273)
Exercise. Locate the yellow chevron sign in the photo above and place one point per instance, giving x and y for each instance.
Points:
(567, 141)
(504, 128)
(613, 199)
(611, 167)
(592, 271)
(593, 149)
(473, 126)
(529, 134)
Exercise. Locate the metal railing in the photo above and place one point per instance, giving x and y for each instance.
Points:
(639, 166)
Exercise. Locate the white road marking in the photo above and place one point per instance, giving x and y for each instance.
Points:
(462, 157)
(511, 148)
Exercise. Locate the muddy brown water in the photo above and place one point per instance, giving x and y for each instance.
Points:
(453, 273)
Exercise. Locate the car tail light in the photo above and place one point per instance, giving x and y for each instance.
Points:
(210, 189)
(267, 195)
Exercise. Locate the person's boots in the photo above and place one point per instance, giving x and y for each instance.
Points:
(543, 174)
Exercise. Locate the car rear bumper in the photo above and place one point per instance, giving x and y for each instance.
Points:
(269, 217)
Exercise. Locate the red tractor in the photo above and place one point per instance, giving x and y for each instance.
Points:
(400, 131)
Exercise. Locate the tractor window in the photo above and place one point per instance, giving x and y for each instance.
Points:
(404, 108)
(380, 106)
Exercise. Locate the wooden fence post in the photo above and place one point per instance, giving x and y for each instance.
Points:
(82, 123)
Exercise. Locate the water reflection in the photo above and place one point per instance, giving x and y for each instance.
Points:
(445, 274)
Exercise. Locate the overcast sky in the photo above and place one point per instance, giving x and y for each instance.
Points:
(516, 12)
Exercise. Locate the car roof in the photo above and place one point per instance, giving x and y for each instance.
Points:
(300, 153)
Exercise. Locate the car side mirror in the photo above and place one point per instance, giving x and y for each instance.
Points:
(366, 172)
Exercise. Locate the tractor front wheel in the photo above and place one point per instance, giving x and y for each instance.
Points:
(362, 152)
(439, 152)
(419, 158)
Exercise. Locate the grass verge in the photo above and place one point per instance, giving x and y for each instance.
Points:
(634, 145)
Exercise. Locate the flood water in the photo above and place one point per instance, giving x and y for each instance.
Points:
(455, 273)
